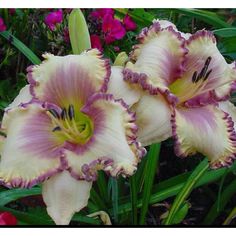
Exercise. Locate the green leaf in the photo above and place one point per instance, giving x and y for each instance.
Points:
(134, 198)
(181, 213)
(21, 47)
(10, 195)
(113, 186)
(29, 218)
(206, 16)
(78, 30)
(216, 209)
(150, 171)
(225, 32)
(186, 190)
(172, 187)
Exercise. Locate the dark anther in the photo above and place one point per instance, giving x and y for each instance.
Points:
(57, 128)
(208, 60)
(3, 134)
(54, 113)
(71, 112)
(194, 77)
(63, 114)
(207, 75)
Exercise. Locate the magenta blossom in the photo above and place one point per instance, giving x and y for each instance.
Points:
(129, 24)
(2, 25)
(53, 18)
(112, 29)
(96, 42)
(100, 13)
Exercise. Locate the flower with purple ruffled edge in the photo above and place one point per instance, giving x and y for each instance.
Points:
(62, 128)
(177, 83)
(2, 25)
(54, 18)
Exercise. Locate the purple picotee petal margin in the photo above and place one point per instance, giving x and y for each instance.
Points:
(223, 162)
(89, 170)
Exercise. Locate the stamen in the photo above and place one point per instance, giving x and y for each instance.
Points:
(207, 75)
(63, 114)
(57, 128)
(71, 112)
(54, 113)
(194, 77)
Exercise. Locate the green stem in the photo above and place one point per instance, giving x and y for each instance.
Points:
(186, 190)
(134, 199)
(230, 217)
(151, 169)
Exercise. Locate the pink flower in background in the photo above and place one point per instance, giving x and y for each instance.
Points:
(53, 18)
(2, 25)
(100, 13)
(96, 42)
(6, 218)
(112, 29)
(129, 24)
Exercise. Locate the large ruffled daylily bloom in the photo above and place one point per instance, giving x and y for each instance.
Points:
(176, 82)
(62, 128)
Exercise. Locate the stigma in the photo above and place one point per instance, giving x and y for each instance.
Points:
(69, 127)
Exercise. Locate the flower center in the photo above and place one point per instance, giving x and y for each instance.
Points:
(69, 126)
(186, 89)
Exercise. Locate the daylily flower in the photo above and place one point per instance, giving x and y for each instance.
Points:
(2, 25)
(112, 28)
(129, 24)
(62, 128)
(54, 18)
(96, 42)
(6, 218)
(174, 83)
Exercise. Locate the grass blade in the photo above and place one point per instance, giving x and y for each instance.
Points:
(215, 210)
(21, 47)
(151, 168)
(11, 195)
(172, 186)
(134, 198)
(186, 190)
(225, 32)
(204, 15)
(230, 217)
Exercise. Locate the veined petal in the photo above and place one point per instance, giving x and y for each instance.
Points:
(113, 146)
(207, 130)
(2, 141)
(223, 93)
(159, 56)
(121, 89)
(70, 79)
(64, 196)
(153, 119)
(23, 97)
(30, 153)
(206, 68)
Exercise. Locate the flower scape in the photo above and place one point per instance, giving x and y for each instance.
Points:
(80, 115)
